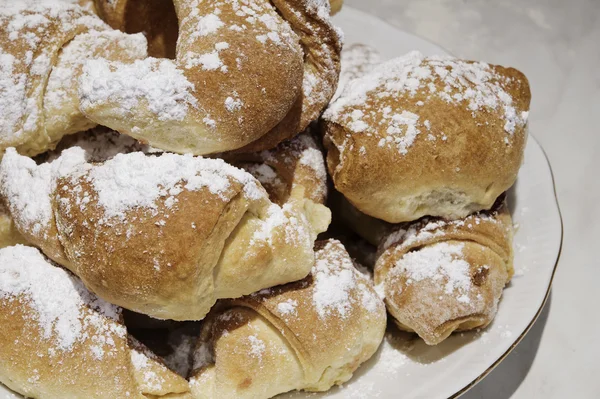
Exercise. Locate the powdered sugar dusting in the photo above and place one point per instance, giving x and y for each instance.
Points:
(476, 86)
(135, 180)
(27, 187)
(429, 228)
(157, 82)
(100, 144)
(302, 150)
(142, 363)
(287, 307)
(441, 262)
(257, 346)
(25, 61)
(61, 92)
(57, 300)
(338, 285)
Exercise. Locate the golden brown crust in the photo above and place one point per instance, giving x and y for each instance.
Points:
(436, 302)
(50, 353)
(240, 71)
(230, 57)
(40, 102)
(32, 49)
(155, 18)
(329, 323)
(322, 45)
(212, 234)
(293, 163)
(427, 136)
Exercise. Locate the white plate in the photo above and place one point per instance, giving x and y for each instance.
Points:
(411, 369)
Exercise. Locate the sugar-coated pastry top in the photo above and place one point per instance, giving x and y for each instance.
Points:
(161, 235)
(57, 300)
(310, 334)
(244, 71)
(438, 276)
(59, 338)
(474, 85)
(427, 136)
(31, 34)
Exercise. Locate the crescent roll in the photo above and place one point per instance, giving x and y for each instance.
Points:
(161, 235)
(295, 163)
(433, 136)
(57, 338)
(444, 276)
(43, 46)
(310, 335)
(245, 76)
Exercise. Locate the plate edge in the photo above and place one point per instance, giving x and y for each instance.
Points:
(537, 315)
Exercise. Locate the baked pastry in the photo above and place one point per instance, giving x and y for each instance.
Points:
(431, 136)
(162, 235)
(443, 276)
(309, 335)
(60, 341)
(9, 235)
(293, 163)
(245, 76)
(156, 19)
(44, 44)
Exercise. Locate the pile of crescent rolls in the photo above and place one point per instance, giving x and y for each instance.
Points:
(169, 173)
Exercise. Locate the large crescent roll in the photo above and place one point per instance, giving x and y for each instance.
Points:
(161, 235)
(60, 341)
(244, 75)
(43, 46)
(309, 335)
(443, 276)
(421, 136)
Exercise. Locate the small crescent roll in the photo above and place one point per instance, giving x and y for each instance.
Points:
(244, 75)
(444, 276)
(43, 45)
(309, 335)
(60, 341)
(435, 136)
(298, 162)
(161, 235)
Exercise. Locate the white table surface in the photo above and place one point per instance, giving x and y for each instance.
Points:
(556, 43)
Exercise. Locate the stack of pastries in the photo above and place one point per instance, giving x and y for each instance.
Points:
(175, 166)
